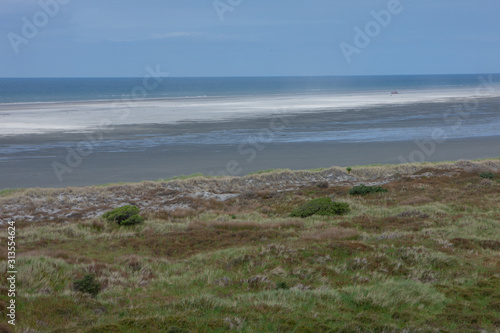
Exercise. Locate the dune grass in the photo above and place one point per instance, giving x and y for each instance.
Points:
(267, 171)
(183, 177)
(423, 256)
(8, 192)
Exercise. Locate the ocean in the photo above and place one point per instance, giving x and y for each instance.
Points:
(29, 90)
(188, 125)
(45, 105)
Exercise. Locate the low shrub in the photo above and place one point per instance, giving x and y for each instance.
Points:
(321, 206)
(125, 215)
(87, 285)
(134, 219)
(363, 189)
(487, 175)
(282, 285)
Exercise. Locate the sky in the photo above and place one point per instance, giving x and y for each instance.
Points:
(186, 38)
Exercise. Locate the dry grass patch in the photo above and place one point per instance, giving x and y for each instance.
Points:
(475, 244)
(418, 200)
(330, 234)
(180, 244)
(174, 215)
(394, 294)
(244, 225)
(413, 213)
(382, 224)
(5, 328)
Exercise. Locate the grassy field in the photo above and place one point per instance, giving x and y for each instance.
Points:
(422, 257)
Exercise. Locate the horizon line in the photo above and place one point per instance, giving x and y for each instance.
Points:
(239, 76)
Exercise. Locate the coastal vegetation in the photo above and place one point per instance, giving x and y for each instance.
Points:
(87, 285)
(225, 254)
(125, 215)
(363, 189)
(321, 206)
(487, 175)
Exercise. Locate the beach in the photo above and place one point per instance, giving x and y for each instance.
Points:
(238, 143)
(80, 116)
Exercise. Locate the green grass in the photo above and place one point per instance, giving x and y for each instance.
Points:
(316, 170)
(8, 192)
(113, 184)
(182, 177)
(267, 171)
(424, 163)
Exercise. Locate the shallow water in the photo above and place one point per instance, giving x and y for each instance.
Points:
(162, 137)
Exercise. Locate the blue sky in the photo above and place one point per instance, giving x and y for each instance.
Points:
(120, 38)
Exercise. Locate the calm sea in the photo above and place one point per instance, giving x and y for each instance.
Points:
(188, 125)
(22, 90)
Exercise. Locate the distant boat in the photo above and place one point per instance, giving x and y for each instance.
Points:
(394, 92)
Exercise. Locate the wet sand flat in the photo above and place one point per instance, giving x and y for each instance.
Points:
(130, 153)
(155, 163)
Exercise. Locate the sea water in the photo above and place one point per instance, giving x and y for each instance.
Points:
(82, 105)
(25, 90)
(43, 120)
(44, 105)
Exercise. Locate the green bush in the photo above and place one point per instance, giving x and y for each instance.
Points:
(134, 219)
(87, 285)
(282, 285)
(487, 175)
(363, 189)
(125, 215)
(321, 206)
